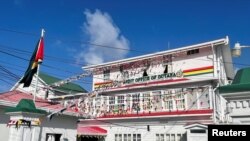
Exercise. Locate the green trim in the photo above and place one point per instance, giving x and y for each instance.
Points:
(234, 88)
(241, 83)
(197, 74)
(25, 106)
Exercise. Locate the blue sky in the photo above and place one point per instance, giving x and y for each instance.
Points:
(145, 26)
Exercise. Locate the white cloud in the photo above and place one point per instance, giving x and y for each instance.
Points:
(100, 29)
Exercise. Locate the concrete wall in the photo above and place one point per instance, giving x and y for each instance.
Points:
(240, 111)
(65, 125)
(134, 127)
(161, 126)
(165, 130)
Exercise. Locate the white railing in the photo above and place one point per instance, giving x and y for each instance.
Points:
(169, 100)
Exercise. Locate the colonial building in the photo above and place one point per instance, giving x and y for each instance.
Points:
(237, 95)
(59, 127)
(62, 126)
(156, 97)
(66, 93)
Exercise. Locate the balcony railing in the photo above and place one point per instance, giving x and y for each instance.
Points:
(150, 102)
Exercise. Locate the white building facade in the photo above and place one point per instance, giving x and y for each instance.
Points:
(65, 94)
(60, 127)
(154, 97)
(237, 95)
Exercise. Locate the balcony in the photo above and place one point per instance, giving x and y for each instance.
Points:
(170, 102)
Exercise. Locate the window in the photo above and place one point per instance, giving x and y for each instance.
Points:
(121, 103)
(168, 100)
(106, 75)
(136, 102)
(162, 137)
(146, 101)
(194, 51)
(125, 137)
(118, 137)
(166, 69)
(159, 137)
(97, 104)
(157, 101)
(128, 102)
(120, 99)
(172, 137)
(136, 137)
(178, 137)
(168, 103)
(169, 137)
(180, 101)
(174, 99)
(128, 137)
(111, 103)
(105, 102)
(145, 73)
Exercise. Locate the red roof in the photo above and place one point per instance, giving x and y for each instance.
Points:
(15, 96)
(91, 130)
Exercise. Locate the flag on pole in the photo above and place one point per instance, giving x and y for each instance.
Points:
(36, 58)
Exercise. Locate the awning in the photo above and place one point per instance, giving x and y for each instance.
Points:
(91, 131)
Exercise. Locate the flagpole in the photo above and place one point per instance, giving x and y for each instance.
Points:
(38, 70)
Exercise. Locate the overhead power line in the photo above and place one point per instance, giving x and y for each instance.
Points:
(19, 32)
(81, 42)
(72, 62)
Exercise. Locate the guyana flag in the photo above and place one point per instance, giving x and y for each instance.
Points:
(37, 57)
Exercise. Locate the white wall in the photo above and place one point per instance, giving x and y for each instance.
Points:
(179, 63)
(65, 125)
(240, 111)
(31, 89)
(4, 130)
(145, 135)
